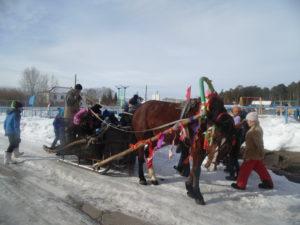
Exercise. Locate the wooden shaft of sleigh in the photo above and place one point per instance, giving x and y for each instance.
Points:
(139, 145)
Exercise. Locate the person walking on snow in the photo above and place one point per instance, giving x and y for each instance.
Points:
(12, 131)
(253, 156)
(58, 125)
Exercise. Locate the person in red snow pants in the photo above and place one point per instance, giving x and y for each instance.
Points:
(253, 156)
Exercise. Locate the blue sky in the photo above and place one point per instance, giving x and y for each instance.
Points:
(167, 44)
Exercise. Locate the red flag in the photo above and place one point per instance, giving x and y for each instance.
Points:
(188, 93)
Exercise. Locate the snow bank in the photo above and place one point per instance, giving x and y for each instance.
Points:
(34, 129)
(279, 135)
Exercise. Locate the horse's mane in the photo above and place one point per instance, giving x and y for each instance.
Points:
(215, 106)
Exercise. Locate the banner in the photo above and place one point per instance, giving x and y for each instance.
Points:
(31, 100)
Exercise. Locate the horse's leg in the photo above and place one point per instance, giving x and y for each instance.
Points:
(192, 184)
(150, 168)
(141, 161)
(183, 166)
(152, 176)
(197, 171)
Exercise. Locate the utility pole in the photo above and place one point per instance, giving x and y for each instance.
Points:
(124, 88)
(146, 93)
(75, 79)
(118, 96)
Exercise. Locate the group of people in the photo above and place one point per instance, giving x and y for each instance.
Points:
(73, 122)
(250, 132)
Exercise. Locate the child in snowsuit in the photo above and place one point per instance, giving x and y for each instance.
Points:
(58, 125)
(12, 131)
(253, 156)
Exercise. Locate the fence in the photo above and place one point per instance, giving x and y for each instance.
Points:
(288, 112)
(50, 112)
(35, 111)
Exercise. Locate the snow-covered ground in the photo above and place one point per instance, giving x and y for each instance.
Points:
(41, 190)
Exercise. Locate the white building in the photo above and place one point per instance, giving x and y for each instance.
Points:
(57, 95)
(155, 96)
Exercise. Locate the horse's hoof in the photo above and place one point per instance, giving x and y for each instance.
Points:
(198, 197)
(143, 182)
(200, 201)
(189, 187)
(154, 182)
(190, 194)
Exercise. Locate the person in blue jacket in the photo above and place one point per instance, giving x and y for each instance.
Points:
(59, 127)
(12, 131)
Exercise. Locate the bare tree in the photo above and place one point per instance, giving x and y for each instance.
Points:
(105, 94)
(29, 80)
(53, 81)
(33, 82)
(9, 94)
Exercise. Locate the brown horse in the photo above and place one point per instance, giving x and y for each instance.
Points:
(156, 113)
(224, 125)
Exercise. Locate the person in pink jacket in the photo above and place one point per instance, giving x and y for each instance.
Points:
(85, 122)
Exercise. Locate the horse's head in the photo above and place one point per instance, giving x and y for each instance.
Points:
(225, 135)
(191, 108)
(214, 107)
(225, 129)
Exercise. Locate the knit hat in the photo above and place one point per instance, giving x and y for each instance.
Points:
(60, 111)
(16, 105)
(252, 116)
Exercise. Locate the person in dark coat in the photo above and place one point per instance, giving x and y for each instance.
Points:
(134, 103)
(72, 106)
(12, 131)
(233, 166)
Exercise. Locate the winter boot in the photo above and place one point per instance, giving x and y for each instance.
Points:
(7, 158)
(235, 186)
(266, 184)
(17, 154)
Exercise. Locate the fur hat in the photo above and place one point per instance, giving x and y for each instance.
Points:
(78, 87)
(96, 108)
(252, 116)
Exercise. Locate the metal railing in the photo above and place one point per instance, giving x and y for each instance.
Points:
(288, 112)
(51, 112)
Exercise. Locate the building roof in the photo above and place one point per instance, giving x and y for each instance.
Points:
(59, 90)
(265, 103)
